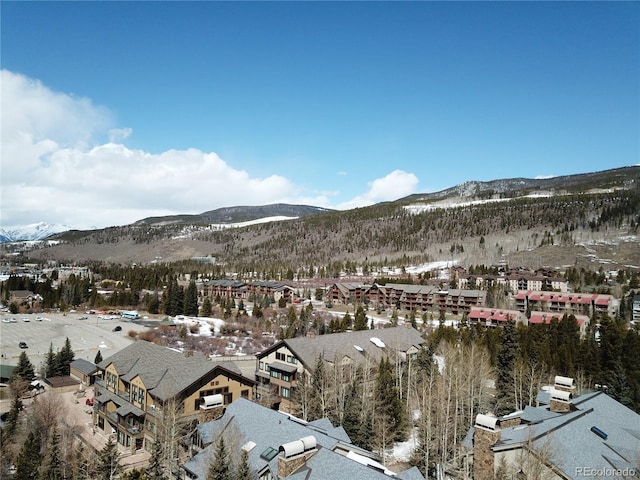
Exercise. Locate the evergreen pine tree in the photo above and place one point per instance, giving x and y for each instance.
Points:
(220, 468)
(28, 460)
(347, 322)
(244, 470)
(257, 311)
(51, 469)
(505, 400)
(153, 304)
(51, 366)
(66, 357)
(360, 321)
(388, 401)
(107, 466)
(24, 370)
(190, 303)
(98, 358)
(205, 311)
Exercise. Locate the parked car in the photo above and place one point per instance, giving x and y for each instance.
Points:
(117, 328)
(83, 317)
(23, 345)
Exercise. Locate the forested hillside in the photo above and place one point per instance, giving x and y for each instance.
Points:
(571, 229)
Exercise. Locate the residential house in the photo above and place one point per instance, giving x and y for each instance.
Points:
(24, 298)
(281, 447)
(141, 382)
(279, 368)
(564, 437)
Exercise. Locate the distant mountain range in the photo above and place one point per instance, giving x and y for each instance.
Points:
(471, 191)
(35, 231)
(220, 216)
(240, 214)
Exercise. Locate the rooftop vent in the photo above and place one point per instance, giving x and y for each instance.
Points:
(599, 432)
(247, 447)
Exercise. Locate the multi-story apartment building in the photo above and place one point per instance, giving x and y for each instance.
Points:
(416, 298)
(141, 382)
(577, 303)
(280, 367)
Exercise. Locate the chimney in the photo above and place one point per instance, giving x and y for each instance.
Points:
(294, 455)
(486, 433)
(561, 394)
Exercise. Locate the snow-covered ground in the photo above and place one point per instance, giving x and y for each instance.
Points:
(207, 326)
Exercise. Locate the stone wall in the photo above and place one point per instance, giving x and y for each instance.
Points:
(483, 457)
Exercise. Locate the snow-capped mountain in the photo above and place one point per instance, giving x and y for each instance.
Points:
(35, 231)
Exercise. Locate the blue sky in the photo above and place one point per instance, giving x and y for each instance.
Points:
(114, 111)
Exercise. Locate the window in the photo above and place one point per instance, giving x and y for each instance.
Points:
(244, 393)
(111, 381)
(292, 359)
(269, 454)
(285, 377)
(281, 356)
(261, 365)
(134, 393)
(285, 392)
(274, 373)
(141, 393)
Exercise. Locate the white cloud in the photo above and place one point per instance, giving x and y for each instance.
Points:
(56, 169)
(63, 162)
(392, 186)
(119, 134)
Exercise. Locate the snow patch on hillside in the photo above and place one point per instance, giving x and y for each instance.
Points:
(460, 202)
(257, 221)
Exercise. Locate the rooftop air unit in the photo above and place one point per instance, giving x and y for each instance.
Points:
(561, 395)
(565, 382)
(297, 447)
(487, 422)
(212, 401)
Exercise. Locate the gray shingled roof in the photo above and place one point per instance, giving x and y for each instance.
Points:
(573, 444)
(269, 428)
(84, 366)
(164, 372)
(340, 344)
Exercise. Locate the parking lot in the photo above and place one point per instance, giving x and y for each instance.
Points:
(86, 336)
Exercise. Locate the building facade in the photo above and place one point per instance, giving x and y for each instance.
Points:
(144, 384)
